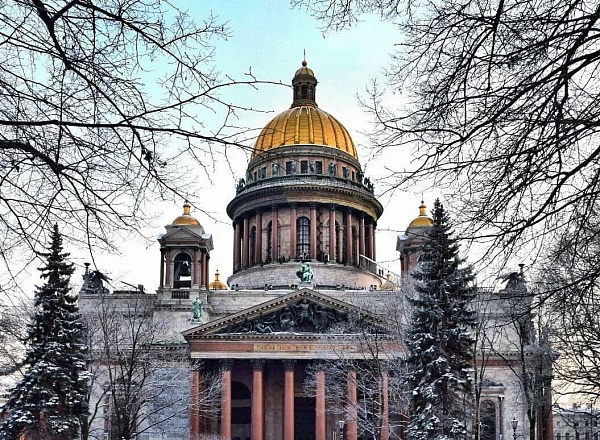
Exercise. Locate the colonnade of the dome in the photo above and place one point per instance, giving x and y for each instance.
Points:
(326, 233)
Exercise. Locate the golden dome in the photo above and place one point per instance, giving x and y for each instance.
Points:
(217, 284)
(185, 218)
(304, 123)
(422, 220)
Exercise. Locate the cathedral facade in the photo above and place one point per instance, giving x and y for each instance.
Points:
(304, 262)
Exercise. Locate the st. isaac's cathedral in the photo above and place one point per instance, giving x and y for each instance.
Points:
(304, 259)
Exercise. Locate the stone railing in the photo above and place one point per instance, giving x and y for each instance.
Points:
(313, 179)
(180, 294)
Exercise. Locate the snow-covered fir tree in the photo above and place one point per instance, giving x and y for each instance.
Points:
(51, 398)
(439, 339)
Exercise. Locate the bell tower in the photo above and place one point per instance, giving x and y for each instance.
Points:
(184, 258)
(409, 244)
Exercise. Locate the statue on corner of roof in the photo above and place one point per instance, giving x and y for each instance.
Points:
(196, 309)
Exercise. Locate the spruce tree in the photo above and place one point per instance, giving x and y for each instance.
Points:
(50, 399)
(439, 340)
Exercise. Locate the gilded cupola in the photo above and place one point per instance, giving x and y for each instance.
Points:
(422, 220)
(186, 218)
(304, 123)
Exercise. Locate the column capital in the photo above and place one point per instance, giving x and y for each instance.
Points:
(293, 205)
(332, 206)
(289, 364)
(313, 205)
(274, 207)
(257, 364)
(226, 364)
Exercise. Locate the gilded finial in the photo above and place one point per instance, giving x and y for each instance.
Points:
(422, 208)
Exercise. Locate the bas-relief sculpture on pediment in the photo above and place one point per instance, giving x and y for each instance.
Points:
(303, 316)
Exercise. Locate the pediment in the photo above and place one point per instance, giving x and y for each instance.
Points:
(303, 312)
(184, 234)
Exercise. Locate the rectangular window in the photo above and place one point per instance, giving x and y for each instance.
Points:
(290, 168)
(319, 167)
(304, 167)
(255, 176)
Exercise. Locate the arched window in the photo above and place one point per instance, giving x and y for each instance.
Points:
(182, 273)
(252, 244)
(304, 91)
(487, 420)
(303, 238)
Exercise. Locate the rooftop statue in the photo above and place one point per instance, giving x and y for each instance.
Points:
(196, 309)
(305, 273)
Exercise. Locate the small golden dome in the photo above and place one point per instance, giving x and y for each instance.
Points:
(304, 70)
(388, 284)
(304, 125)
(422, 220)
(185, 218)
(217, 284)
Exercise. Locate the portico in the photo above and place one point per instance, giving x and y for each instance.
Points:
(262, 354)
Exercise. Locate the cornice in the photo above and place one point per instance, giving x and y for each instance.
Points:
(266, 195)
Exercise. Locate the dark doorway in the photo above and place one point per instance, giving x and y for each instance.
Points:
(304, 418)
(240, 411)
